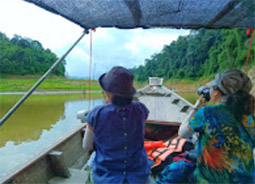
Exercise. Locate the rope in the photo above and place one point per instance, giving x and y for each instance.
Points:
(90, 67)
(248, 55)
(90, 63)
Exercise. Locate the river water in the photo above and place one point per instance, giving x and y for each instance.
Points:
(39, 121)
(36, 124)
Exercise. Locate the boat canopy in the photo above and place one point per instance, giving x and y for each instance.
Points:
(154, 13)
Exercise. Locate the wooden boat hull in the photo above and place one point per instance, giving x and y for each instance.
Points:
(46, 166)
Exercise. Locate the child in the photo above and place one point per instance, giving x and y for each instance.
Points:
(117, 132)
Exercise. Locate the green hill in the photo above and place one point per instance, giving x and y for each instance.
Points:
(23, 56)
(201, 54)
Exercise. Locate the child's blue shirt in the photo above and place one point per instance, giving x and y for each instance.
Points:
(119, 143)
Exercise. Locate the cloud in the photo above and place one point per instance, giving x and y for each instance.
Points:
(127, 48)
(28, 20)
(111, 46)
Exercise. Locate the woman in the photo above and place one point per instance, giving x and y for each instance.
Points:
(117, 131)
(226, 131)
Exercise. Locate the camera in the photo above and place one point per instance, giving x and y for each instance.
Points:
(205, 91)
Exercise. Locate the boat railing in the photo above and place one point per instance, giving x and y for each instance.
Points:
(42, 157)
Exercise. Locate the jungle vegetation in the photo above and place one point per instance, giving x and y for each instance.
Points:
(24, 56)
(201, 54)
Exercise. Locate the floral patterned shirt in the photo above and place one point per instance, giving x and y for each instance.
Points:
(225, 150)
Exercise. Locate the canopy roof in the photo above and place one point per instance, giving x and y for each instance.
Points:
(154, 13)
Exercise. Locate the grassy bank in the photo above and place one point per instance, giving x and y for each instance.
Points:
(52, 98)
(184, 84)
(52, 83)
(23, 83)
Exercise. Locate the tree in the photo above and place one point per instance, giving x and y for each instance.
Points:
(22, 56)
(201, 53)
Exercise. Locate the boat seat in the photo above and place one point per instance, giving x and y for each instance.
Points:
(77, 177)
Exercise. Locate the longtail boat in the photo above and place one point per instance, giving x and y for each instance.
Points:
(63, 162)
(167, 109)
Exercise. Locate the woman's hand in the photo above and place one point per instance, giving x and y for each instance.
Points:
(185, 130)
(200, 102)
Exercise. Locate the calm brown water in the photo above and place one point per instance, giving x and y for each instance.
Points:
(39, 121)
(36, 125)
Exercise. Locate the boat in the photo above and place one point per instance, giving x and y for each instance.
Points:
(167, 110)
(64, 161)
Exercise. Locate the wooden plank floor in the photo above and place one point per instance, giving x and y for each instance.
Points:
(162, 109)
(164, 105)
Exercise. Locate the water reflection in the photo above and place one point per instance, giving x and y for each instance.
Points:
(36, 125)
(28, 122)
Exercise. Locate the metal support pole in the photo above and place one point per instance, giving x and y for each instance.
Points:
(12, 110)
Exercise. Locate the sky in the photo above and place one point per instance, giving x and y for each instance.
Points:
(111, 47)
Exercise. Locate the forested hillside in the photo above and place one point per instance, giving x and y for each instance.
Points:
(200, 54)
(22, 56)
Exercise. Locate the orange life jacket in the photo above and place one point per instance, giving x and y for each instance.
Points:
(149, 145)
(161, 150)
(162, 153)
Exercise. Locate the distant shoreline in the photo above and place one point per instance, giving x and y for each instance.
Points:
(55, 92)
(50, 92)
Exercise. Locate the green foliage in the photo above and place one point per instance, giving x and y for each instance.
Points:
(23, 56)
(200, 54)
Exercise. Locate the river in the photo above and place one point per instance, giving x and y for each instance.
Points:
(36, 124)
(39, 121)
